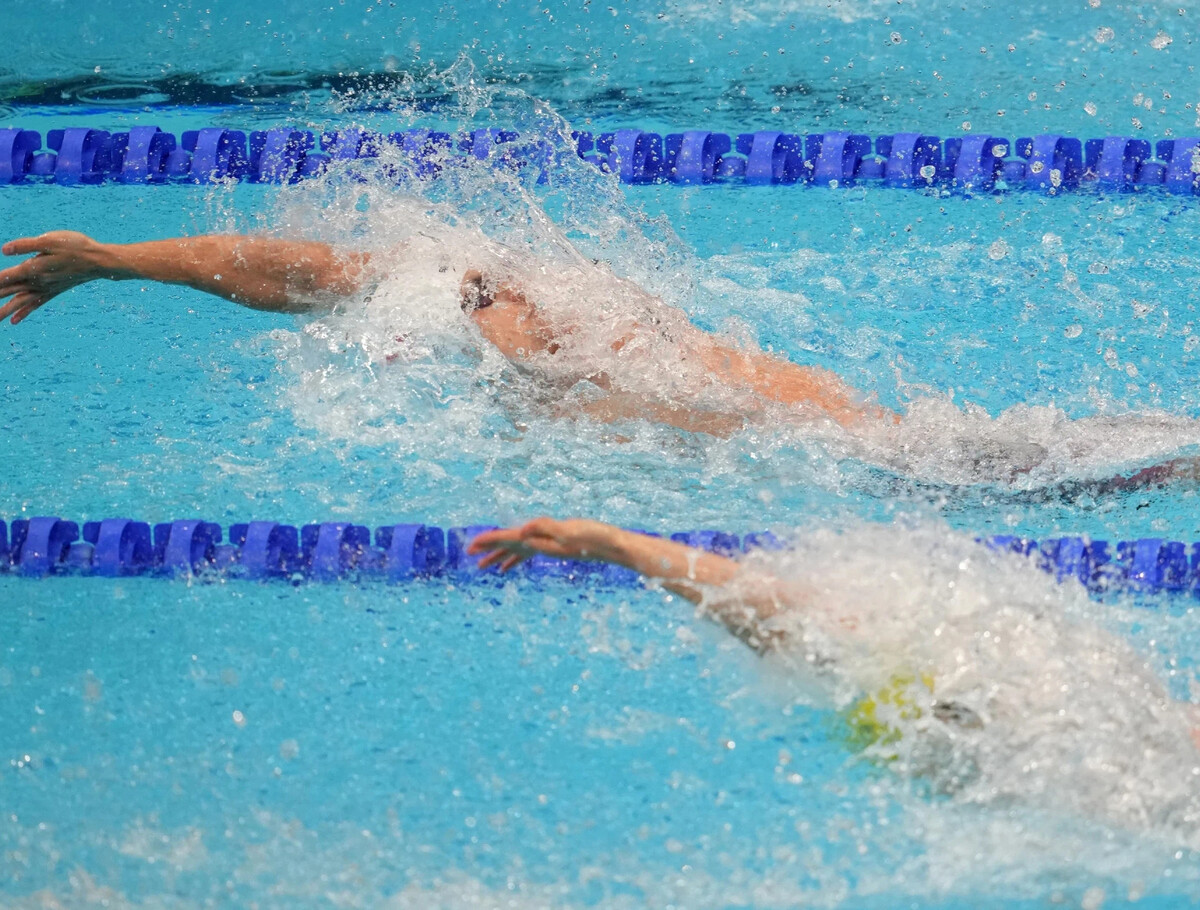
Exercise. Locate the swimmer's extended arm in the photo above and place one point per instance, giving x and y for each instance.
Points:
(685, 570)
(264, 273)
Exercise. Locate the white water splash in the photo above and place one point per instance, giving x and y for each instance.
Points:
(1023, 697)
(405, 368)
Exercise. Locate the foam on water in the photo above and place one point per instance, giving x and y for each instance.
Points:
(404, 367)
(1044, 705)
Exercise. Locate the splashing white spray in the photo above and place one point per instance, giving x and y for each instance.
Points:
(978, 674)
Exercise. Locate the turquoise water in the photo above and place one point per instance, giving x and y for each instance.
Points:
(175, 744)
(857, 64)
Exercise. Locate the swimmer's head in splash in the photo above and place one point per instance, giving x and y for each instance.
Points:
(876, 723)
(476, 292)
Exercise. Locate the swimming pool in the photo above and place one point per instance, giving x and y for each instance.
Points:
(447, 743)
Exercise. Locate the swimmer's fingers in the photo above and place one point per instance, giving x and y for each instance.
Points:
(50, 242)
(14, 276)
(22, 246)
(503, 546)
(44, 272)
(511, 546)
(506, 560)
(501, 556)
(492, 540)
(22, 305)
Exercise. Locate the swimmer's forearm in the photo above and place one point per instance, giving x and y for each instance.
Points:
(264, 273)
(699, 576)
(683, 569)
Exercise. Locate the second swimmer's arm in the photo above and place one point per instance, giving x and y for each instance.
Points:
(264, 273)
(685, 570)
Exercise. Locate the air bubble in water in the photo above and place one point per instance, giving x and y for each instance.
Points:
(1104, 35)
(1073, 331)
(1160, 41)
(998, 250)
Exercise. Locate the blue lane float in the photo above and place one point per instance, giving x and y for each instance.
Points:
(329, 552)
(975, 163)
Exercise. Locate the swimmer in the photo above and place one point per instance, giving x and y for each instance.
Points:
(287, 276)
(966, 669)
(653, 364)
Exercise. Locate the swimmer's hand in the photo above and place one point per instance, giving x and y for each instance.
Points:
(263, 273)
(63, 260)
(572, 539)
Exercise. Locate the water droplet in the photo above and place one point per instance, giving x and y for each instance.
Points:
(1104, 35)
(998, 250)
(1073, 331)
(1160, 41)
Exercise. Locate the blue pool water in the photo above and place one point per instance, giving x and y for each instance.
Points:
(463, 745)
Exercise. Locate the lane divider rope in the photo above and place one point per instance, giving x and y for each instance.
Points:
(974, 163)
(113, 547)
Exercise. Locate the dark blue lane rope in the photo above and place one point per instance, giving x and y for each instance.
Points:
(341, 550)
(1049, 163)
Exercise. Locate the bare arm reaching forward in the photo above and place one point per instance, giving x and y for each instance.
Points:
(264, 273)
(685, 570)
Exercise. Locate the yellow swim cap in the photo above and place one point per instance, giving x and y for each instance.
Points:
(871, 721)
